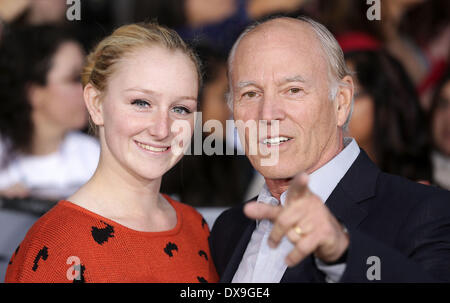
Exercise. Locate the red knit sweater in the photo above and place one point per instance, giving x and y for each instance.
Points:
(71, 244)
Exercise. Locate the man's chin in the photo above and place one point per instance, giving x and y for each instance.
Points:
(275, 172)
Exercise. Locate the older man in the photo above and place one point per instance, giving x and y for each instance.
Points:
(326, 213)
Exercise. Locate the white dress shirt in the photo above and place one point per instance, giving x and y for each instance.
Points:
(262, 264)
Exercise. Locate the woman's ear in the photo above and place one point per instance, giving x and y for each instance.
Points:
(344, 100)
(93, 103)
(35, 95)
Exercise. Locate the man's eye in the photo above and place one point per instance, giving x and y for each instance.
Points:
(249, 94)
(181, 110)
(140, 103)
(295, 90)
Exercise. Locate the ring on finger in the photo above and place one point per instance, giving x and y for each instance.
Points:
(298, 230)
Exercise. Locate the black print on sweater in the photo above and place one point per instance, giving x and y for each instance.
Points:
(42, 254)
(169, 248)
(81, 278)
(101, 235)
(203, 222)
(202, 280)
(15, 254)
(201, 253)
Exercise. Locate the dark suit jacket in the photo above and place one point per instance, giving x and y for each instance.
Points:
(405, 224)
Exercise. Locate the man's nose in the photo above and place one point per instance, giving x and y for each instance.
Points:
(159, 127)
(272, 108)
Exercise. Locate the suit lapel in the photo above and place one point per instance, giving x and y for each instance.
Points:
(345, 202)
(238, 252)
(358, 185)
(344, 208)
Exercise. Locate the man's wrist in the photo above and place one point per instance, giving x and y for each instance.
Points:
(340, 260)
(343, 256)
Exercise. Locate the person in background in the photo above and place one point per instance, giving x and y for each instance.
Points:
(415, 32)
(216, 23)
(387, 120)
(31, 12)
(141, 87)
(42, 152)
(440, 132)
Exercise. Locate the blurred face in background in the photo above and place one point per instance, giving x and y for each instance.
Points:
(441, 121)
(361, 124)
(60, 102)
(47, 11)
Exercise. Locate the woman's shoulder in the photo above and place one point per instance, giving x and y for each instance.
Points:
(189, 213)
(183, 207)
(44, 253)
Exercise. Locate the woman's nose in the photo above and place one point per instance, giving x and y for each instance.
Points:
(160, 125)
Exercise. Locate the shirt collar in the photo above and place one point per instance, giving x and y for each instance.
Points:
(324, 180)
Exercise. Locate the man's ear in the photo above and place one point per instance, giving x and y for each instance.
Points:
(344, 99)
(93, 103)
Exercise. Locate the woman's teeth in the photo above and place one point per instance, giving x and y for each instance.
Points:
(152, 148)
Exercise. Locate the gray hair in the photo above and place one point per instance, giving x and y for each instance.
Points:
(337, 69)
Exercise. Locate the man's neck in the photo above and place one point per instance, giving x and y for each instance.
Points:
(277, 186)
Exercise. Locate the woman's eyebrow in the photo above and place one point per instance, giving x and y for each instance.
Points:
(142, 90)
(153, 93)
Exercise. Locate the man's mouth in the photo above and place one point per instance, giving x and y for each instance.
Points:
(152, 148)
(276, 140)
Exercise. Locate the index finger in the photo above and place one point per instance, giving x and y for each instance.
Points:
(298, 187)
(259, 211)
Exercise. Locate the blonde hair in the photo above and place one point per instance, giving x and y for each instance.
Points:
(124, 40)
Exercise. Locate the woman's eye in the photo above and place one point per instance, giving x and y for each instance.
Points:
(181, 110)
(140, 103)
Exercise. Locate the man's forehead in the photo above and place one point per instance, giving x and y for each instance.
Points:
(280, 31)
(280, 38)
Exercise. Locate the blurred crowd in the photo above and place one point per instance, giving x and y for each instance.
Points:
(401, 114)
(400, 63)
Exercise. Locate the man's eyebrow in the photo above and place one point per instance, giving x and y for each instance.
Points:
(243, 84)
(296, 78)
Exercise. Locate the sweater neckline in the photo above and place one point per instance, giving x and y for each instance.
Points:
(175, 230)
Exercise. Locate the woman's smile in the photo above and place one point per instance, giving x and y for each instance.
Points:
(152, 148)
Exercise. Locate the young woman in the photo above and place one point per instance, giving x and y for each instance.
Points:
(138, 84)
